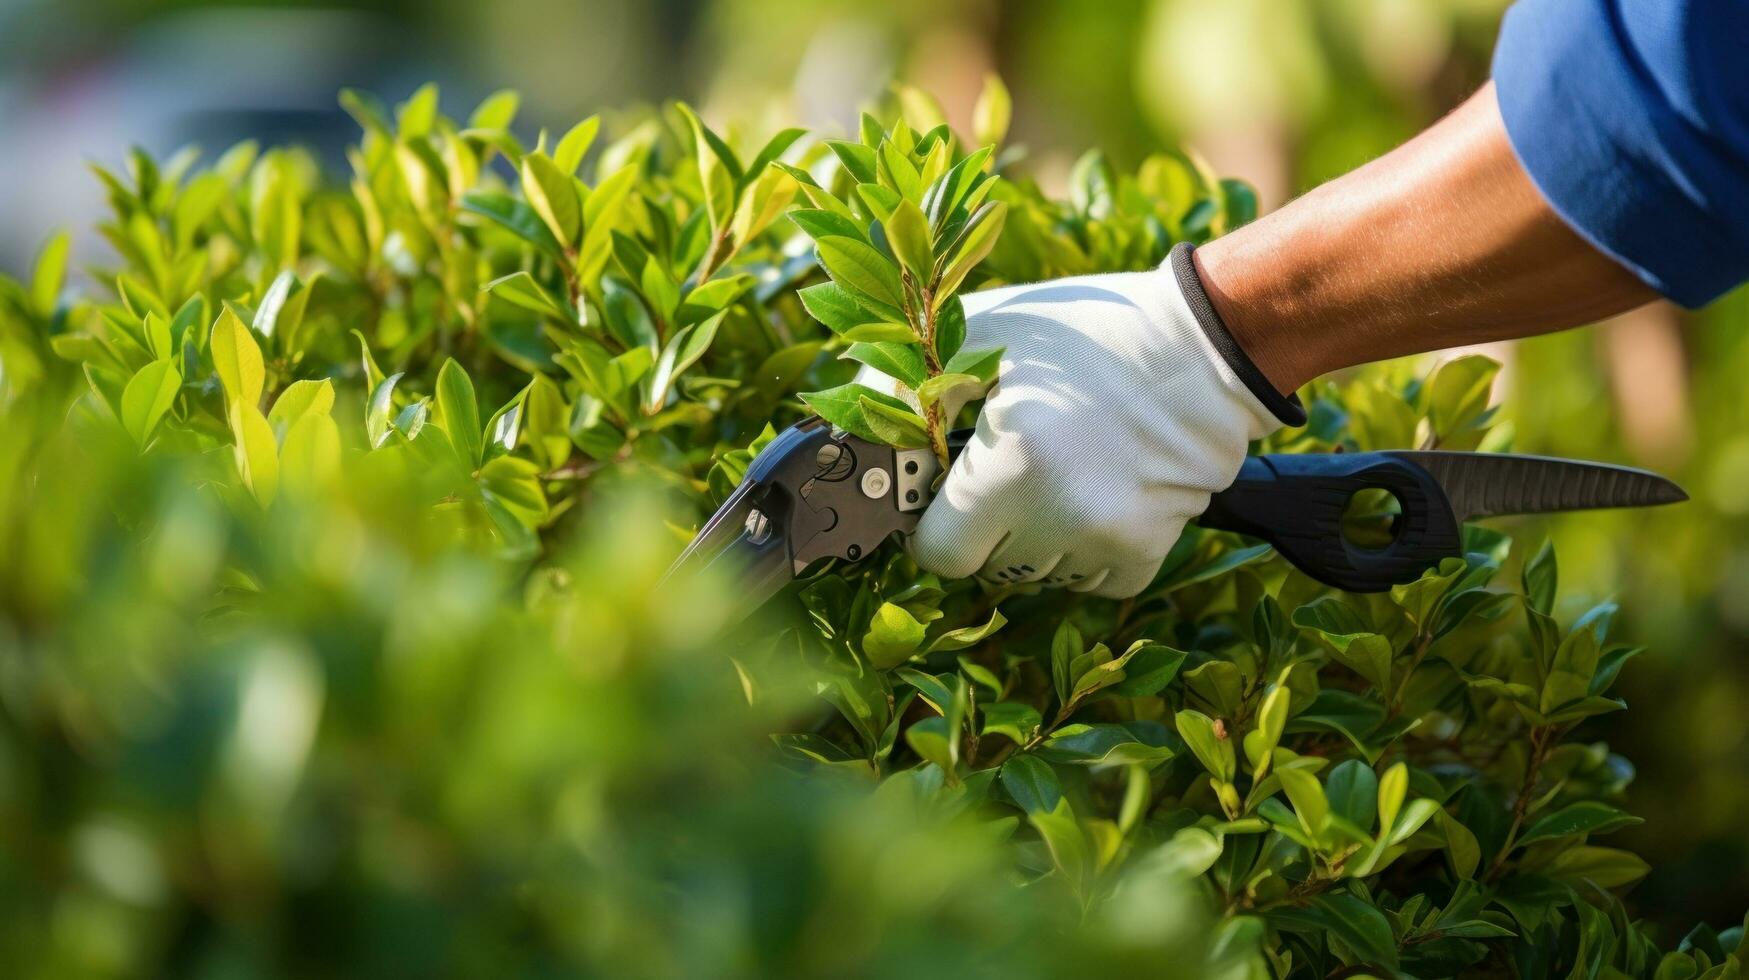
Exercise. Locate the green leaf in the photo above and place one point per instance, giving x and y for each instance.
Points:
(379, 411)
(496, 111)
(819, 223)
(1458, 392)
(1353, 790)
(458, 412)
(899, 361)
(980, 364)
(309, 459)
(520, 289)
(1031, 783)
(514, 216)
(1261, 741)
(833, 306)
(256, 452)
(862, 270)
(681, 352)
(1307, 795)
(237, 359)
(842, 406)
(1393, 786)
(991, 112)
(908, 233)
(719, 171)
(974, 244)
(49, 274)
(882, 333)
(300, 398)
(574, 145)
(1149, 670)
(1360, 926)
(897, 427)
(1604, 867)
(893, 636)
(966, 636)
(1066, 648)
(148, 395)
(1585, 817)
(418, 113)
(552, 194)
(1214, 752)
(1016, 722)
(1540, 577)
(857, 159)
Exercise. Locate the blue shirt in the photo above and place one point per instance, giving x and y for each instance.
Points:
(1632, 117)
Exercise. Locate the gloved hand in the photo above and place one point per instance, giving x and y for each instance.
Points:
(1122, 404)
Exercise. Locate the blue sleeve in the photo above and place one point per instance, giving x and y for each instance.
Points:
(1632, 117)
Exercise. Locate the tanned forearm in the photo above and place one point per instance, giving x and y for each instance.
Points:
(1440, 243)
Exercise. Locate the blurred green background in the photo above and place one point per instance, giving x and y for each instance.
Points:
(1284, 93)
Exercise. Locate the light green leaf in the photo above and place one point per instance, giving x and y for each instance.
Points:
(237, 359)
(380, 411)
(309, 459)
(990, 114)
(458, 412)
(496, 111)
(681, 352)
(878, 333)
(908, 233)
(967, 636)
(418, 113)
(1214, 752)
(553, 195)
(974, 244)
(574, 145)
(300, 398)
(148, 395)
(49, 274)
(1393, 786)
(256, 451)
(520, 289)
(893, 636)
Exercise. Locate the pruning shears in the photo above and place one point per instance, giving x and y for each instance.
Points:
(813, 494)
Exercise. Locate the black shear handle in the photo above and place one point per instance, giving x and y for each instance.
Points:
(1296, 501)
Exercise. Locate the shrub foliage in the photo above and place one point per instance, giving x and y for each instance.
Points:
(328, 639)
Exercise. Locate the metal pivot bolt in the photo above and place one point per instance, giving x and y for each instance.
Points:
(876, 482)
(758, 527)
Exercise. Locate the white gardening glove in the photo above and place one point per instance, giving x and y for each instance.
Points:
(1122, 404)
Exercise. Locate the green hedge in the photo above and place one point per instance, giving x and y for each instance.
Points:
(329, 642)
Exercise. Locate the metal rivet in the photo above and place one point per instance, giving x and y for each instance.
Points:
(875, 482)
(911, 466)
(758, 527)
(854, 551)
(910, 496)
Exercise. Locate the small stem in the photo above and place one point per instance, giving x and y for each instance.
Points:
(714, 257)
(1539, 745)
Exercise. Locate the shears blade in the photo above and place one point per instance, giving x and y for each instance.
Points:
(1497, 484)
(741, 548)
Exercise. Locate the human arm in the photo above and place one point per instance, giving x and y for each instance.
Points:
(1443, 242)
(1610, 164)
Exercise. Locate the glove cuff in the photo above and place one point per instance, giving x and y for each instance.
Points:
(1286, 408)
